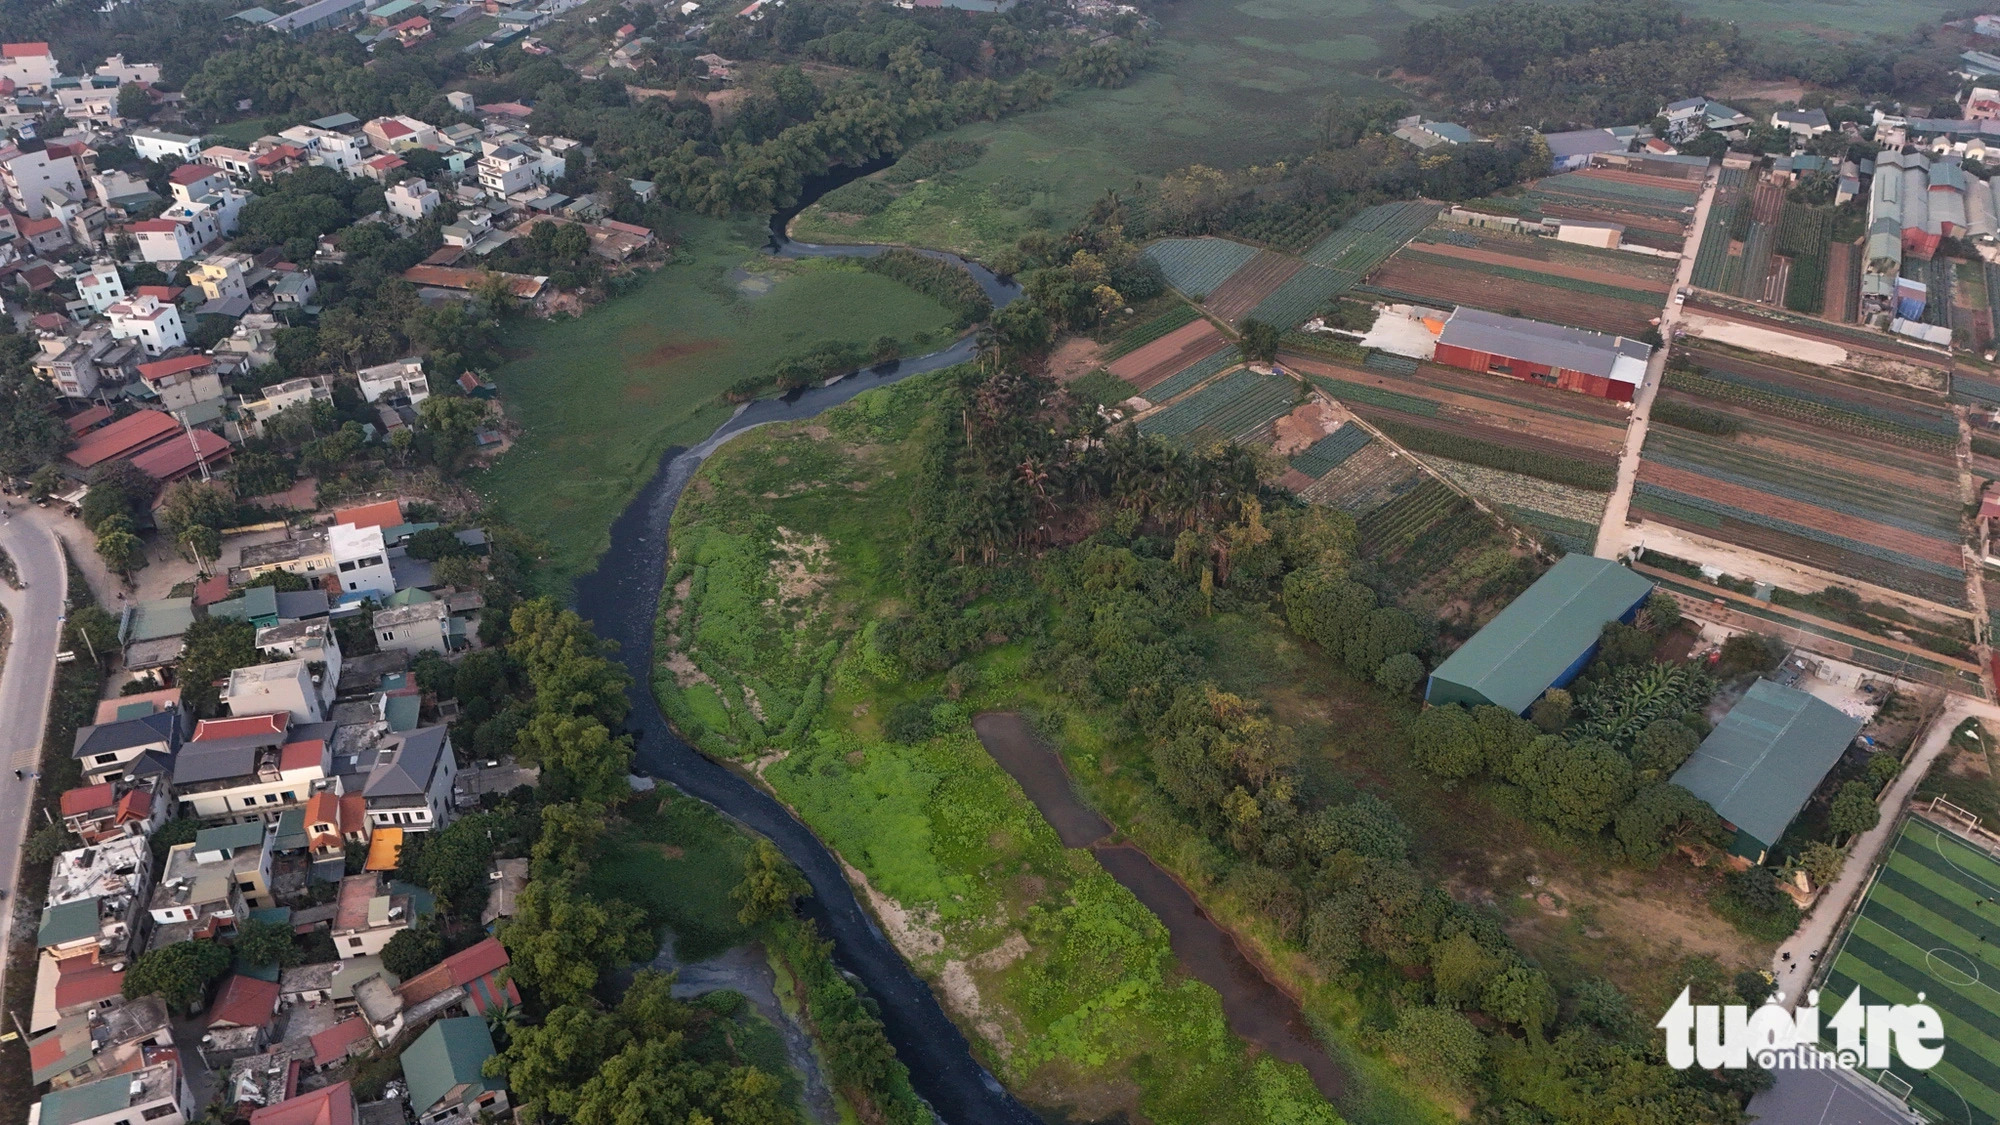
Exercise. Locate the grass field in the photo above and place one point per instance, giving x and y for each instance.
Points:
(677, 859)
(599, 398)
(1928, 925)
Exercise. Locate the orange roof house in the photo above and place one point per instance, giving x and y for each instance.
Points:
(384, 513)
(331, 1105)
(244, 1002)
(480, 970)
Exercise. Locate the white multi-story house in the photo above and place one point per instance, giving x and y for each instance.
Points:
(412, 199)
(313, 642)
(184, 381)
(190, 182)
(70, 365)
(252, 767)
(279, 396)
(157, 146)
(164, 240)
(508, 169)
(153, 1095)
(28, 64)
(397, 134)
(403, 378)
(115, 67)
(415, 628)
(92, 99)
(238, 163)
(361, 560)
(342, 152)
(287, 685)
(409, 786)
(32, 176)
(114, 188)
(155, 325)
(223, 276)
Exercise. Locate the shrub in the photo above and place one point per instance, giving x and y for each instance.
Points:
(946, 282)
(862, 197)
(1752, 902)
(1699, 419)
(911, 721)
(1401, 673)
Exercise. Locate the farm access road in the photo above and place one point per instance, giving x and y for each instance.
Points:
(1613, 537)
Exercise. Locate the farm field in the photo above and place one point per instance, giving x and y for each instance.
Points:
(1258, 279)
(1179, 349)
(599, 398)
(1198, 266)
(1838, 476)
(1240, 407)
(1441, 282)
(1927, 927)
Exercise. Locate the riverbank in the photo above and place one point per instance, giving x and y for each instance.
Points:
(598, 399)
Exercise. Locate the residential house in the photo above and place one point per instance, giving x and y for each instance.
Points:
(1982, 103)
(329, 148)
(411, 31)
(33, 176)
(73, 987)
(282, 396)
(362, 987)
(112, 810)
(1690, 116)
(90, 1045)
(243, 1001)
(155, 1094)
(252, 767)
(128, 74)
(311, 640)
(100, 286)
(47, 236)
(164, 240)
(209, 886)
(294, 288)
(473, 981)
(368, 915)
(328, 1105)
(95, 904)
(444, 1068)
(121, 191)
(412, 199)
(399, 133)
(157, 145)
(508, 169)
(71, 365)
(361, 560)
(143, 745)
(223, 278)
(396, 381)
(234, 161)
(410, 785)
(419, 627)
(316, 17)
(30, 65)
(305, 554)
(504, 884)
(1802, 122)
(156, 325)
(290, 686)
(183, 382)
(333, 821)
(151, 632)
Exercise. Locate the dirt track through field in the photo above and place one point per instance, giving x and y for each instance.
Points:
(1841, 279)
(1177, 349)
(1257, 1010)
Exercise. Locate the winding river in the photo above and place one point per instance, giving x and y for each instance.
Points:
(622, 598)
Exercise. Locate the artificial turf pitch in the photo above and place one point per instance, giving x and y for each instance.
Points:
(1931, 924)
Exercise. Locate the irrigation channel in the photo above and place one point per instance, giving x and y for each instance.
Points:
(621, 596)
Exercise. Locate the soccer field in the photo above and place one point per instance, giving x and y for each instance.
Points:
(1931, 924)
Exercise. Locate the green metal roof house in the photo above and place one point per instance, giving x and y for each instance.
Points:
(1759, 765)
(443, 1067)
(1541, 640)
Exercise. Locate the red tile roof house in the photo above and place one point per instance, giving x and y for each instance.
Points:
(97, 813)
(477, 977)
(331, 1105)
(244, 1002)
(132, 434)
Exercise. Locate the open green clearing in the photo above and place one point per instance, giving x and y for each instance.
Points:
(600, 398)
(677, 860)
(1929, 925)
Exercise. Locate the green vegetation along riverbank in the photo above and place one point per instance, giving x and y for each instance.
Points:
(597, 399)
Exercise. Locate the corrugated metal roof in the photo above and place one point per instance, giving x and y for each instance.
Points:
(1541, 635)
(1573, 349)
(1766, 757)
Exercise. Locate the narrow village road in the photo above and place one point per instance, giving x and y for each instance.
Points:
(35, 614)
(1613, 536)
(1793, 963)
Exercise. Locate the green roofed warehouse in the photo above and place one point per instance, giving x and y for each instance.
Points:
(1759, 765)
(1541, 640)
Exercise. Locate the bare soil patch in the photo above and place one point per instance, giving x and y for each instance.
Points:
(1170, 353)
(667, 353)
(1076, 358)
(1247, 286)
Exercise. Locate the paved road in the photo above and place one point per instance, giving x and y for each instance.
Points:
(1815, 934)
(1613, 536)
(25, 682)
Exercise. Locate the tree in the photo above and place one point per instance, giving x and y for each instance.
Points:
(179, 973)
(1822, 862)
(1445, 743)
(1620, 643)
(1573, 785)
(1520, 995)
(1400, 674)
(411, 951)
(1437, 1042)
(117, 488)
(1366, 826)
(44, 844)
(578, 757)
(546, 1064)
(770, 885)
(1663, 611)
(266, 943)
(1659, 817)
(193, 514)
(1553, 710)
(561, 938)
(133, 102)
(564, 662)
(452, 863)
(1460, 968)
(211, 649)
(1260, 340)
(1853, 810)
(118, 547)
(450, 424)
(30, 435)
(1747, 653)
(1663, 746)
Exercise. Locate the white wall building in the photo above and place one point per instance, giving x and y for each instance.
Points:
(413, 628)
(361, 560)
(28, 64)
(342, 152)
(115, 67)
(164, 240)
(222, 276)
(285, 686)
(157, 146)
(412, 199)
(32, 177)
(100, 286)
(402, 378)
(156, 326)
(508, 169)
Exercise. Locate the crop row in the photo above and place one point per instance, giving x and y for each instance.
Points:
(1756, 260)
(1517, 490)
(1514, 273)
(1929, 506)
(1938, 277)
(1543, 199)
(1289, 231)
(1391, 363)
(1376, 396)
(1331, 451)
(1714, 250)
(1302, 295)
(1374, 234)
(1804, 231)
(1196, 265)
(1787, 490)
(1193, 374)
(1811, 413)
(1912, 414)
(1369, 479)
(1138, 337)
(1579, 183)
(1231, 409)
(1797, 530)
(1397, 524)
(1539, 463)
(1322, 344)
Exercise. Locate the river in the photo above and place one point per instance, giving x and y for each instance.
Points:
(621, 597)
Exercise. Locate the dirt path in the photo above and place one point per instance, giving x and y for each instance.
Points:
(1256, 1008)
(1613, 536)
